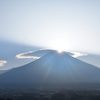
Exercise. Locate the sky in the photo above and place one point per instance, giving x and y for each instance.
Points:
(55, 24)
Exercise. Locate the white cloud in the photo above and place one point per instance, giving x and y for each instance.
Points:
(2, 63)
(26, 56)
(78, 54)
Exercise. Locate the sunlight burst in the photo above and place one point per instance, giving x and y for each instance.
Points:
(59, 45)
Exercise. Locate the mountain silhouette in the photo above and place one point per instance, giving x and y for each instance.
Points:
(52, 70)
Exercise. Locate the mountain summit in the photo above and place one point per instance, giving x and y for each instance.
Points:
(52, 70)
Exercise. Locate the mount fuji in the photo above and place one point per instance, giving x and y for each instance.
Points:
(53, 70)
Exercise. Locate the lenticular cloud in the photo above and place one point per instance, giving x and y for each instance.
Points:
(34, 54)
(26, 55)
(78, 54)
(2, 63)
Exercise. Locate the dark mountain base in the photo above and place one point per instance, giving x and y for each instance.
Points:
(51, 95)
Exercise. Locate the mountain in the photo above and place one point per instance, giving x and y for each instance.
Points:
(53, 70)
(2, 71)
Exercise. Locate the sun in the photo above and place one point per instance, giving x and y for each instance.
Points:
(59, 45)
(60, 50)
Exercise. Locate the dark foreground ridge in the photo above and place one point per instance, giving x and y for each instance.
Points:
(51, 95)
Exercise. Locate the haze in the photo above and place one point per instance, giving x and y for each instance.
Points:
(63, 24)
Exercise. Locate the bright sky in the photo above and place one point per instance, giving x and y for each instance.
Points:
(61, 24)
